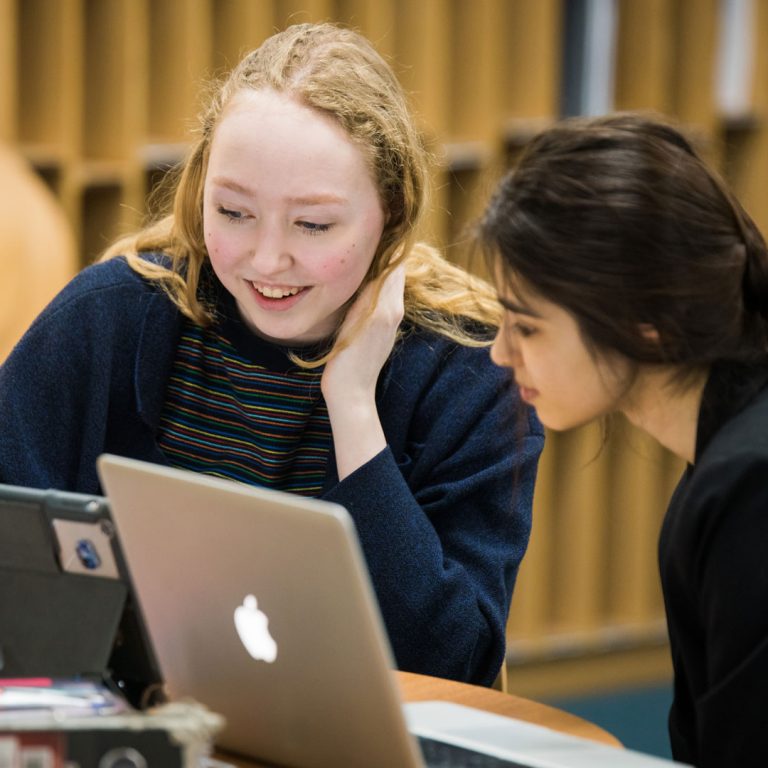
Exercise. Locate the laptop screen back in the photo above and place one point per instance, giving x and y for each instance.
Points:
(259, 605)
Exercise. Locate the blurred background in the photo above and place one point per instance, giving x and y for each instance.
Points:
(97, 98)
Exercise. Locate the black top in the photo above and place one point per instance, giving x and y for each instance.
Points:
(713, 555)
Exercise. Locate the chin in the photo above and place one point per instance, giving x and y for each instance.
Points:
(560, 423)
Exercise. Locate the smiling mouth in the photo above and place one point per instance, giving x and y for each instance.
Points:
(276, 291)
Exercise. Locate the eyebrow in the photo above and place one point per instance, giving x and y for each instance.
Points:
(322, 198)
(519, 309)
(319, 199)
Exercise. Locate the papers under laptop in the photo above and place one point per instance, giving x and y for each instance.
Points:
(258, 604)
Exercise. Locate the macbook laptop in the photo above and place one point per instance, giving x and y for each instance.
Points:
(258, 604)
(65, 606)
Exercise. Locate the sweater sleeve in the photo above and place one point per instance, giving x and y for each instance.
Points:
(45, 400)
(444, 518)
(69, 380)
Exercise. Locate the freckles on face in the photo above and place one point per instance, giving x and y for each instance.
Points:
(339, 263)
(216, 246)
(333, 268)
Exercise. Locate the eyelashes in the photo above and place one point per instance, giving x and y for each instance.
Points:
(236, 217)
(523, 330)
(311, 228)
(516, 328)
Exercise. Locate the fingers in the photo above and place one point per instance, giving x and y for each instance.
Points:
(380, 303)
(391, 300)
(394, 283)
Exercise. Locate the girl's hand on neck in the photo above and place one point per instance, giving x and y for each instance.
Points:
(363, 345)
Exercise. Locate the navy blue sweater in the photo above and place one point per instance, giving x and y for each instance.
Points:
(443, 513)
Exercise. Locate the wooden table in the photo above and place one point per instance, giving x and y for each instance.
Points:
(424, 688)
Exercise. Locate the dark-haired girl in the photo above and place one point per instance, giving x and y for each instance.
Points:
(634, 282)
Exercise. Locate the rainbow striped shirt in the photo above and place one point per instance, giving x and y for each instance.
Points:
(237, 407)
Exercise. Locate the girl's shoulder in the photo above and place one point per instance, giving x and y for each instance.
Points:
(740, 442)
(436, 350)
(444, 371)
(733, 464)
(117, 272)
(114, 275)
(105, 294)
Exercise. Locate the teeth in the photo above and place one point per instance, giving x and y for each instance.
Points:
(273, 292)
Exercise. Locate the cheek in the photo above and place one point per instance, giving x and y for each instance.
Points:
(221, 238)
(218, 246)
(351, 264)
(209, 230)
(327, 269)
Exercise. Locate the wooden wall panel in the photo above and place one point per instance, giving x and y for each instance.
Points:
(99, 95)
(9, 80)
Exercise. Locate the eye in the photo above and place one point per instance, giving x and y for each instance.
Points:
(233, 216)
(313, 228)
(521, 329)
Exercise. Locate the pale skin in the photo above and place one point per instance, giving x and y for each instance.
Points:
(292, 220)
(569, 385)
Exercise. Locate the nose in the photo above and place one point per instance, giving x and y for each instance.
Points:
(269, 252)
(504, 351)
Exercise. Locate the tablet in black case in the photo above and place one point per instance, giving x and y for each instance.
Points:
(66, 608)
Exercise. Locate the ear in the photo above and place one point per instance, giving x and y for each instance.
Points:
(649, 332)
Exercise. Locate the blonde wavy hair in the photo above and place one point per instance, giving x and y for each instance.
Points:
(338, 72)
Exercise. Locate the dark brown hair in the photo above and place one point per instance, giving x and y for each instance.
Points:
(619, 221)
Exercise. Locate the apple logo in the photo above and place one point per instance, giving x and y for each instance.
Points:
(252, 628)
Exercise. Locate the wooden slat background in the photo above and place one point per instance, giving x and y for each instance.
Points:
(99, 94)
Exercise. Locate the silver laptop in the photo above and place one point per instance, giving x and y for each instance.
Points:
(259, 605)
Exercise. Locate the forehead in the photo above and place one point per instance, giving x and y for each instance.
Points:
(273, 105)
(261, 130)
(516, 295)
(258, 111)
